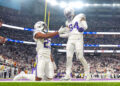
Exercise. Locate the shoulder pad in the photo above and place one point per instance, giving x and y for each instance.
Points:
(81, 15)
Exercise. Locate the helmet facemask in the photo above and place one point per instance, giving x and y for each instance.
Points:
(45, 28)
(69, 13)
(69, 16)
(41, 26)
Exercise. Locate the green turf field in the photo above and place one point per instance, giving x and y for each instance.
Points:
(59, 84)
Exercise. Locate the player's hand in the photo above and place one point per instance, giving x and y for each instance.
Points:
(2, 40)
(61, 30)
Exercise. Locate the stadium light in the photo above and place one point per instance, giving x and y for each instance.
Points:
(76, 4)
(79, 4)
(87, 5)
(47, 1)
(63, 4)
(53, 2)
(96, 5)
(106, 5)
(116, 5)
(71, 4)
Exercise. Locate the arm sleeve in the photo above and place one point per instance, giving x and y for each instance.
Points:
(35, 32)
(84, 25)
(65, 35)
(83, 22)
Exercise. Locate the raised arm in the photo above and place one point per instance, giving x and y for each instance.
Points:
(66, 33)
(84, 23)
(49, 35)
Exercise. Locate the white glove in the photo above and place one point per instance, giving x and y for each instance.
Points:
(61, 30)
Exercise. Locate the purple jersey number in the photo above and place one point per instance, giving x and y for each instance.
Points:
(75, 26)
(46, 43)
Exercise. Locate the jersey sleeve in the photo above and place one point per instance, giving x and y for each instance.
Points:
(81, 16)
(82, 23)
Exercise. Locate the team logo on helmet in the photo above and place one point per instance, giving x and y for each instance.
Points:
(69, 12)
(40, 26)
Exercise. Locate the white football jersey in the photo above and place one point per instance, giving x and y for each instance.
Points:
(74, 25)
(43, 46)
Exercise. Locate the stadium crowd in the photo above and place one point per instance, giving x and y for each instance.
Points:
(99, 65)
(14, 55)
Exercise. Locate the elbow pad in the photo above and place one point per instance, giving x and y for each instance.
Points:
(80, 29)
